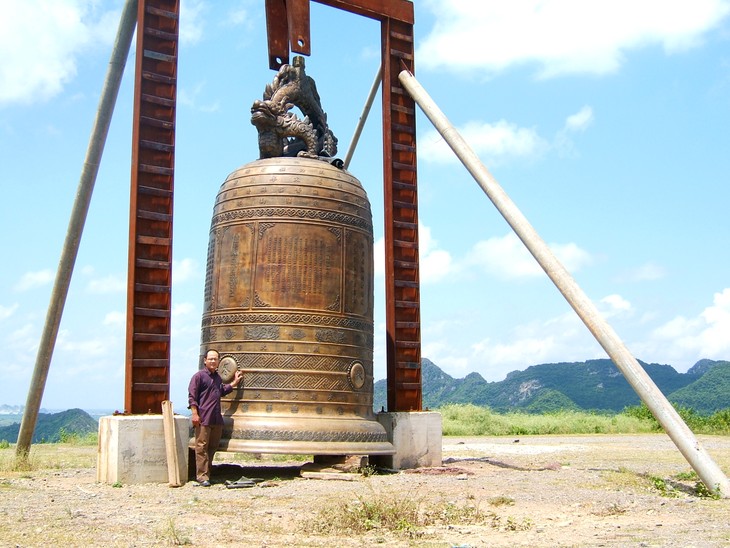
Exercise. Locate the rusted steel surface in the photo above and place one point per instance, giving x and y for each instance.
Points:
(400, 10)
(402, 285)
(149, 286)
(287, 26)
(150, 241)
(277, 32)
(297, 12)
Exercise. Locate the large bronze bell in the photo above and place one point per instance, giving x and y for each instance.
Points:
(289, 296)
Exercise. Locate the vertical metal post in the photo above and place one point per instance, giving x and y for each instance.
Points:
(364, 116)
(657, 403)
(76, 224)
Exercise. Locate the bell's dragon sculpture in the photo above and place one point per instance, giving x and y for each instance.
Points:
(281, 132)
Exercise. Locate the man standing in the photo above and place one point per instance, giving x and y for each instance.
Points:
(204, 400)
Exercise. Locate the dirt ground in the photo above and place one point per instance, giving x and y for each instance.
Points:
(629, 490)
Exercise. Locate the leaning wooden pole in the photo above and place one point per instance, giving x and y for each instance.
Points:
(76, 225)
(710, 474)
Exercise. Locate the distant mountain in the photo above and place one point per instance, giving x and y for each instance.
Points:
(10, 409)
(703, 366)
(593, 385)
(708, 393)
(49, 426)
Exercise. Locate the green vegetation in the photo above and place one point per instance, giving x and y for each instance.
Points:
(174, 535)
(473, 420)
(708, 393)
(404, 514)
(717, 423)
(57, 456)
(593, 385)
(75, 438)
(50, 427)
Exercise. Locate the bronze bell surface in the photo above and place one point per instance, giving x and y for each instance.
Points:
(289, 299)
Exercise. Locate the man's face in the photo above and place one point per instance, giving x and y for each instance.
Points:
(211, 361)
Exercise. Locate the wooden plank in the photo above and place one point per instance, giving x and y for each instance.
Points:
(340, 476)
(173, 465)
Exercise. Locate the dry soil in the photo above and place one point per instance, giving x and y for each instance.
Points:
(629, 490)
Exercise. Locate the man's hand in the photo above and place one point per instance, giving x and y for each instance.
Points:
(237, 376)
(195, 417)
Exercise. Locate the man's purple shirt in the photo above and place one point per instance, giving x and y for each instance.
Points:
(205, 391)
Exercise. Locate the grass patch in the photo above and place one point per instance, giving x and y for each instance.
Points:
(74, 438)
(44, 456)
(472, 420)
(174, 535)
(664, 487)
(501, 501)
(402, 514)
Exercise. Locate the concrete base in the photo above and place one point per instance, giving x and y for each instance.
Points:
(416, 437)
(132, 449)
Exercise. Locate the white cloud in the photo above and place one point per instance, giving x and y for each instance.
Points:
(7, 311)
(87, 348)
(184, 270)
(575, 123)
(434, 263)
(562, 338)
(192, 21)
(40, 43)
(495, 144)
(645, 273)
(192, 98)
(110, 284)
(180, 310)
(241, 16)
(580, 121)
(21, 344)
(506, 257)
(115, 319)
(518, 352)
(31, 280)
(559, 36)
(614, 305)
(682, 341)
(504, 142)
(379, 257)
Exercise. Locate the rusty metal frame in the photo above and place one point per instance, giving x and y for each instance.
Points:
(149, 285)
(148, 354)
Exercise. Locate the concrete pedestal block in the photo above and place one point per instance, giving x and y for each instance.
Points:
(132, 449)
(416, 437)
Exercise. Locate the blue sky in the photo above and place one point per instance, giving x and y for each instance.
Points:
(605, 122)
